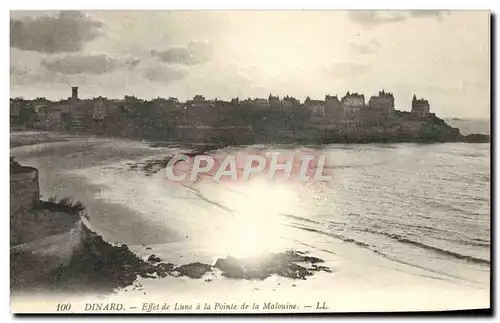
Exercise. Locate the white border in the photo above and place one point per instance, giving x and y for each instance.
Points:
(183, 5)
(256, 5)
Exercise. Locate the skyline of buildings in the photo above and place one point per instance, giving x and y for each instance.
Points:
(383, 100)
(351, 110)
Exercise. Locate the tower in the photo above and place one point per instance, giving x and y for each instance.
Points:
(74, 92)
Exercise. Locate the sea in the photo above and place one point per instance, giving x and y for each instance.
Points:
(395, 216)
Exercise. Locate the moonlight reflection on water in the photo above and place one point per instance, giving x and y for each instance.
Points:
(256, 225)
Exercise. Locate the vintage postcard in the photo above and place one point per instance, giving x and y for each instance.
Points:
(229, 162)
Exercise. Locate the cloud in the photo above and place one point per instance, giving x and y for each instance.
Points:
(20, 75)
(67, 32)
(374, 18)
(88, 64)
(163, 73)
(366, 48)
(17, 70)
(193, 54)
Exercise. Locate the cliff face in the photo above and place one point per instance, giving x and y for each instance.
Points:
(43, 234)
(32, 219)
(24, 196)
(24, 190)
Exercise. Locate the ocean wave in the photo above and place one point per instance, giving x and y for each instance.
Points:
(299, 218)
(447, 206)
(472, 155)
(476, 244)
(375, 250)
(432, 248)
(334, 235)
(399, 239)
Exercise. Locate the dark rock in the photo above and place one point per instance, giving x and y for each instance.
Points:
(162, 273)
(282, 264)
(154, 259)
(166, 266)
(320, 268)
(163, 270)
(291, 270)
(297, 256)
(243, 268)
(194, 270)
(476, 138)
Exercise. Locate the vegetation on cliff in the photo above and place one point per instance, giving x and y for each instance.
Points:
(65, 204)
(17, 168)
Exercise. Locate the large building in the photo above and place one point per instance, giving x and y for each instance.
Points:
(99, 108)
(288, 104)
(261, 103)
(383, 103)
(333, 108)
(198, 102)
(352, 104)
(353, 100)
(274, 102)
(316, 107)
(81, 115)
(420, 107)
(52, 119)
(131, 104)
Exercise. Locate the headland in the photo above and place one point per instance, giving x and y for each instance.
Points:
(239, 122)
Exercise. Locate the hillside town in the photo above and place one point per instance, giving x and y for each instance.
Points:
(169, 118)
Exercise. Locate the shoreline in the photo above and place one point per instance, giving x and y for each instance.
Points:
(260, 139)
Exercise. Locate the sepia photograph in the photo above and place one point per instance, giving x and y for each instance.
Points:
(250, 161)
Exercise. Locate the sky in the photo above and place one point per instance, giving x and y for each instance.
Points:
(442, 56)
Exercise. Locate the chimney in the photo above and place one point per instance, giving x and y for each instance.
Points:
(74, 92)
